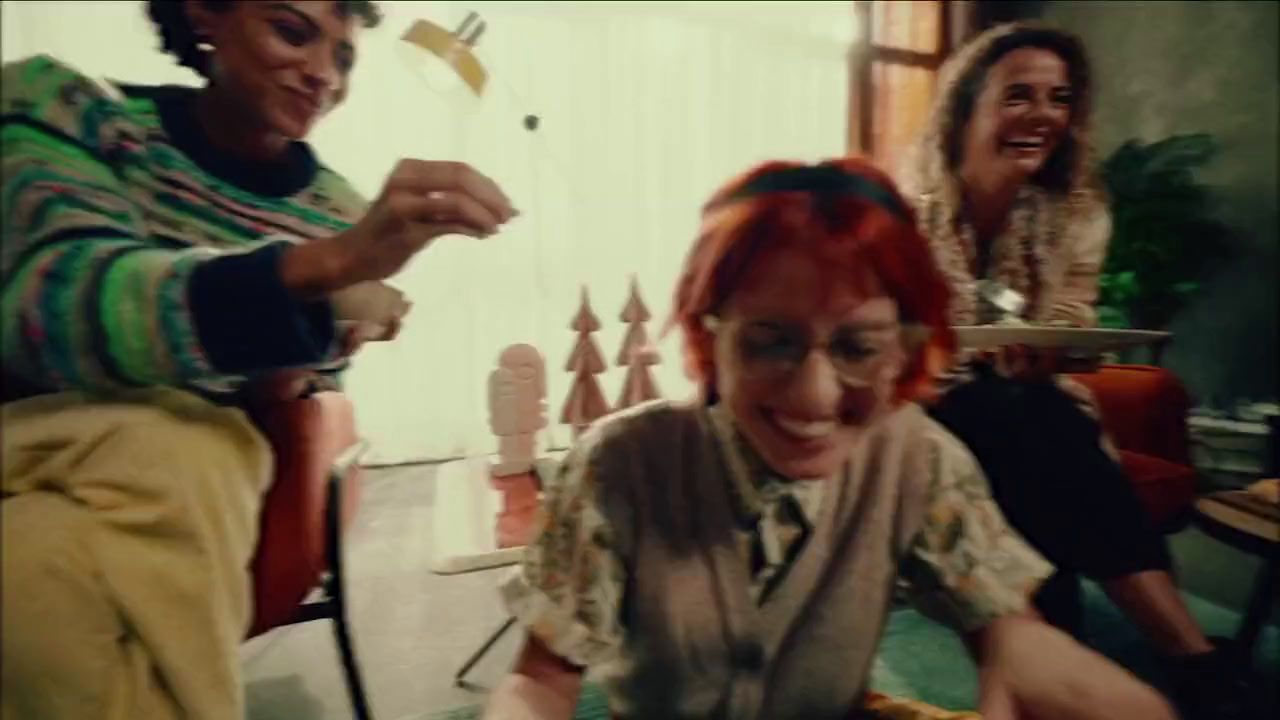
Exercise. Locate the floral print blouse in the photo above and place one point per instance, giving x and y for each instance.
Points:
(966, 567)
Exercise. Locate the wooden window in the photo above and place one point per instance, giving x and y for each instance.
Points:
(894, 69)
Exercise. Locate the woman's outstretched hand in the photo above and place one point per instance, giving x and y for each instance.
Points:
(1030, 670)
(420, 201)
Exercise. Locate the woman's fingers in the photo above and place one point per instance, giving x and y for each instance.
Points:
(426, 214)
(390, 330)
(426, 177)
(402, 308)
(422, 234)
(487, 192)
(454, 207)
(355, 336)
(420, 201)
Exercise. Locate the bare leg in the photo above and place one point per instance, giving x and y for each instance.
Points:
(1152, 600)
(1204, 677)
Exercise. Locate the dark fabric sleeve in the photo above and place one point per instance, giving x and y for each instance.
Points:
(246, 319)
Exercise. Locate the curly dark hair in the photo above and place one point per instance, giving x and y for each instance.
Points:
(1058, 169)
(178, 39)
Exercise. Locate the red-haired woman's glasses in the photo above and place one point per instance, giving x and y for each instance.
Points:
(774, 350)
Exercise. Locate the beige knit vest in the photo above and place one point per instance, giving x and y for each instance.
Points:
(696, 645)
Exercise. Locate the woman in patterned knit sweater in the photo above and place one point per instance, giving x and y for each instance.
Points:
(1003, 190)
(167, 254)
(734, 556)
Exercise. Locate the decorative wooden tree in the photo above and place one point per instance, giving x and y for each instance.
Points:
(585, 402)
(636, 353)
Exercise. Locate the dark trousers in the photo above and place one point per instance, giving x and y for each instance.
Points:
(1054, 484)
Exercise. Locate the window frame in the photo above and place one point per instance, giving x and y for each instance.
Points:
(955, 17)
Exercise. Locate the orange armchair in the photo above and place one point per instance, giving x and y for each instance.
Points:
(310, 504)
(1144, 411)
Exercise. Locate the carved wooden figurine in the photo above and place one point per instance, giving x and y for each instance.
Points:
(517, 407)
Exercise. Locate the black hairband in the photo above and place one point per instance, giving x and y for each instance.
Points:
(823, 180)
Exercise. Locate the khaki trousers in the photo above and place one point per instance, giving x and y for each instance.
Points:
(128, 526)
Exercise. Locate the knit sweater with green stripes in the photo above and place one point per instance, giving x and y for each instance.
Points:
(135, 254)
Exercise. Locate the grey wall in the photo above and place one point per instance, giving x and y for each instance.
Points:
(1165, 68)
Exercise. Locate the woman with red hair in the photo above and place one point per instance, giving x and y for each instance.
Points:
(736, 556)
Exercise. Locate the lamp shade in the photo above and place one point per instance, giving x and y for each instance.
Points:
(444, 58)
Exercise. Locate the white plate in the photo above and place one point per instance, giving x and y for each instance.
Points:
(1091, 339)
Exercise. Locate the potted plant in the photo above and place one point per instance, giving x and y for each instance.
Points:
(1164, 233)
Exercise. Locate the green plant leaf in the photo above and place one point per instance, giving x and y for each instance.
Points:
(1112, 317)
(1184, 151)
(1163, 228)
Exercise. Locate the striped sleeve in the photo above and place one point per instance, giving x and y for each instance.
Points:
(87, 298)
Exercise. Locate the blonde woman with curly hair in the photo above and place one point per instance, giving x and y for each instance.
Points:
(1004, 190)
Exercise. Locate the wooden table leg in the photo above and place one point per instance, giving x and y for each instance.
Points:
(1260, 604)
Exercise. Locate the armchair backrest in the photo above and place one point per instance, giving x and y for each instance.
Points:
(308, 436)
(1144, 409)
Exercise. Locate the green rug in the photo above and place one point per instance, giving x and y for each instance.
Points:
(922, 660)
(925, 661)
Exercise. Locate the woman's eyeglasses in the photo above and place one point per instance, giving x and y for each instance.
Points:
(770, 350)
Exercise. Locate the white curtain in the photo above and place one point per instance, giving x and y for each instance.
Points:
(644, 109)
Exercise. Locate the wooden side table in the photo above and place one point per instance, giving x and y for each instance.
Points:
(1249, 523)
